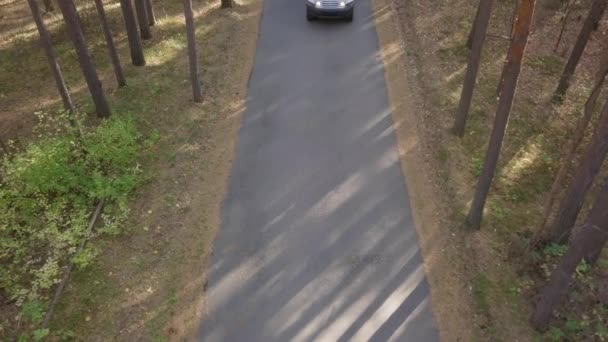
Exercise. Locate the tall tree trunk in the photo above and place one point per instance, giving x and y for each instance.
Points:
(502, 73)
(589, 166)
(564, 23)
(45, 41)
(227, 4)
(142, 19)
(480, 26)
(48, 5)
(120, 77)
(579, 134)
(150, 11)
(594, 16)
(512, 67)
(590, 238)
(137, 53)
(192, 56)
(70, 17)
(469, 43)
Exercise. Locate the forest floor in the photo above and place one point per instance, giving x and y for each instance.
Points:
(483, 283)
(148, 283)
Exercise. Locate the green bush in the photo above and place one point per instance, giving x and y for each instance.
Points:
(47, 194)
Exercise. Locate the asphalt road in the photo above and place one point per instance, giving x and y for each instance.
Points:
(317, 241)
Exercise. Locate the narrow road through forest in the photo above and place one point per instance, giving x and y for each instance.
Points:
(317, 241)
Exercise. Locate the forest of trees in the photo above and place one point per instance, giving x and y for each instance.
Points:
(96, 176)
(138, 18)
(561, 223)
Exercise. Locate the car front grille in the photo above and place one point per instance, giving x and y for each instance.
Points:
(330, 4)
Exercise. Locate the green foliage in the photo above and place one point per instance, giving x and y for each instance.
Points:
(40, 334)
(573, 326)
(476, 166)
(583, 268)
(601, 331)
(34, 311)
(85, 257)
(48, 192)
(555, 334)
(555, 250)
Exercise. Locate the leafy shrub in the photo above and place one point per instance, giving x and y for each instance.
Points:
(47, 194)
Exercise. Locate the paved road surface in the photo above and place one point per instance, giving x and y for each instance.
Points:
(317, 241)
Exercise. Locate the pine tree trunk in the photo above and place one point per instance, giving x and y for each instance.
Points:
(594, 16)
(70, 17)
(120, 77)
(48, 5)
(502, 73)
(45, 41)
(469, 43)
(479, 35)
(142, 19)
(564, 23)
(512, 67)
(226, 3)
(589, 167)
(150, 11)
(589, 239)
(579, 134)
(137, 53)
(192, 56)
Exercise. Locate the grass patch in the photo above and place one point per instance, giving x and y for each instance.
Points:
(481, 292)
(460, 52)
(548, 65)
(442, 155)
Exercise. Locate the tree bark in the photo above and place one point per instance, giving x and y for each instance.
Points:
(579, 134)
(589, 167)
(512, 67)
(137, 53)
(45, 41)
(120, 77)
(150, 11)
(479, 35)
(192, 56)
(48, 5)
(70, 17)
(561, 31)
(469, 43)
(594, 16)
(590, 239)
(142, 19)
(502, 73)
(227, 3)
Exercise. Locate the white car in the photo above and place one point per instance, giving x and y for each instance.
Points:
(330, 9)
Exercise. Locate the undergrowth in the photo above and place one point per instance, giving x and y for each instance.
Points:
(48, 192)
